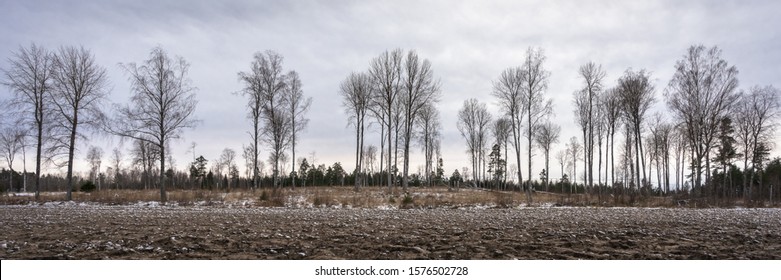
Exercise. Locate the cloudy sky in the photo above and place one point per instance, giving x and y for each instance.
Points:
(468, 43)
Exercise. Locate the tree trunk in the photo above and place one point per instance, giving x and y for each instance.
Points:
(255, 177)
(408, 135)
(357, 152)
(612, 158)
(71, 149)
(390, 129)
(163, 195)
(517, 144)
(293, 151)
(382, 152)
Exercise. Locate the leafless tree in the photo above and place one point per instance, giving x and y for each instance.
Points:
(588, 98)
(11, 141)
(397, 119)
(575, 150)
(661, 133)
(637, 95)
(29, 76)
(756, 118)
(162, 104)
(145, 153)
(508, 89)
(679, 145)
(611, 106)
(429, 127)
(227, 160)
(253, 91)
(419, 89)
(385, 71)
(562, 157)
(79, 89)
(298, 105)
(501, 129)
(535, 106)
(628, 167)
(702, 89)
(356, 92)
(265, 85)
(547, 134)
(582, 119)
(473, 121)
(378, 116)
(95, 158)
(250, 163)
(116, 161)
(370, 157)
(599, 125)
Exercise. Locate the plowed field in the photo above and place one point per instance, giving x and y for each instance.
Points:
(73, 231)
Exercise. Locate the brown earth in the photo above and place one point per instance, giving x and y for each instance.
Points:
(79, 231)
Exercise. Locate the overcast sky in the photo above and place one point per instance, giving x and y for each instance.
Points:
(468, 43)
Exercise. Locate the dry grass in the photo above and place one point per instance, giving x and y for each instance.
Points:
(342, 197)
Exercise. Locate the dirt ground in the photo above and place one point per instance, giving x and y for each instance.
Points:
(78, 231)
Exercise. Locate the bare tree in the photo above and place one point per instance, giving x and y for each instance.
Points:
(419, 89)
(145, 153)
(95, 158)
(162, 104)
(29, 75)
(227, 160)
(535, 106)
(11, 141)
(385, 71)
(250, 163)
(508, 90)
(429, 127)
(661, 133)
(356, 92)
(679, 145)
(757, 115)
(592, 75)
(562, 157)
(599, 125)
(370, 157)
(252, 90)
(78, 93)
(547, 134)
(298, 105)
(700, 92)
(265, 85)
(582, 119)
(611, 106)
(636, 94)
(473, 121)
(501, 129)
(574, 149)
(116, 160)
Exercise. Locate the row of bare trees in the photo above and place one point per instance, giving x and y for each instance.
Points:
(59, 95)
(399, 90)
(703, 99)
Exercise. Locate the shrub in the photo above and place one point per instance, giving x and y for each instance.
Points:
(88, 186)
(407, 201)
(263, 196)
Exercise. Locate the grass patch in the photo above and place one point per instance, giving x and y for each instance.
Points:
(365, 197)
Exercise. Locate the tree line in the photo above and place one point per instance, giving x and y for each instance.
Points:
(58, 96)
(710, 126)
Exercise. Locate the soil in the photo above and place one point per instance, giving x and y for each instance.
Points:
(77, 231)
